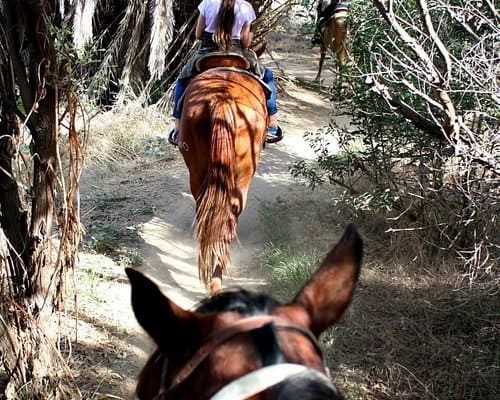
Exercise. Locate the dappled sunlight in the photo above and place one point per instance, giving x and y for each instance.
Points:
(176, 269)
(107, 344)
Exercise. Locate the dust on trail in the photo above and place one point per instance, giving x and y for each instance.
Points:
(168, 247)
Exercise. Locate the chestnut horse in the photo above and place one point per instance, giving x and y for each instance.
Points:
(222, 131)
(333, 36)
(239, 345)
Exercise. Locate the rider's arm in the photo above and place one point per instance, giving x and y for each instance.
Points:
(246, 36)
(200, 27)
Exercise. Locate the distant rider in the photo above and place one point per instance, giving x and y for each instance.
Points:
(225, 25)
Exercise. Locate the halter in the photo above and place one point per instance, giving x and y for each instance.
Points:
(263, 378)
(247, 324)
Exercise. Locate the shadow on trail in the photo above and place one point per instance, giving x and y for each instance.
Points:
(408, 338)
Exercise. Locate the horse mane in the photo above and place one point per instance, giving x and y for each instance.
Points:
(216, 219)
(238, 300)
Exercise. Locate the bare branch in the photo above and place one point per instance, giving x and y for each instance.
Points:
(404, 109)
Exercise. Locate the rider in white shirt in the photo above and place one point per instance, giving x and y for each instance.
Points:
(244, 14)
(223, 13)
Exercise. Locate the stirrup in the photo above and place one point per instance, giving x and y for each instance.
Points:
(274, 134)
(173, 136)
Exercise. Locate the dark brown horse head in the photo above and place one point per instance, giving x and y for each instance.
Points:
(244, 345)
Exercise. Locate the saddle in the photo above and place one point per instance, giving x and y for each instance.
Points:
(224, 60)
(231, 61)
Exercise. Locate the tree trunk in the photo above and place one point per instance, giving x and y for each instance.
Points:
(27, 296)
(13, 215)
(43, 128)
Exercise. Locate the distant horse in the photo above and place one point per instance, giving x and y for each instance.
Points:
(331, 30)
(222, 131)
(240, 345)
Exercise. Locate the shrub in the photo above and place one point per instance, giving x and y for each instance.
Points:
(423, 144)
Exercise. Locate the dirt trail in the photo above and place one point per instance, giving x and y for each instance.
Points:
(167, 243)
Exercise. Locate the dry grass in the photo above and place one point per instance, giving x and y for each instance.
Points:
(412, 331)
(128, 133)
(127, 150)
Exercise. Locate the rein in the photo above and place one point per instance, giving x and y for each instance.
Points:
(247, 324)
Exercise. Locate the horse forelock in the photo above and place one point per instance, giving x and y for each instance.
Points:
(238, 300)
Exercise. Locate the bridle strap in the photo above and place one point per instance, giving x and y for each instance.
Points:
(259, 380)
(243, 325)
(303, 331)
(214, 340)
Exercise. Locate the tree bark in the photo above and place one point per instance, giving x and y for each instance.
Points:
(26, 295)
(13, 215)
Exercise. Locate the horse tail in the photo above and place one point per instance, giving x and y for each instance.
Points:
(215, 216)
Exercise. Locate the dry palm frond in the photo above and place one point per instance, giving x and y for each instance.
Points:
(163, 20)
(133, 23)
(268, 16)
(82, 22)
(142, 45)
(134, 44)
(61, 7)
(121, 54)
(34, 366)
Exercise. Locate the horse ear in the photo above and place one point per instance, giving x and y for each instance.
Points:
(168, 324)
(328, 292)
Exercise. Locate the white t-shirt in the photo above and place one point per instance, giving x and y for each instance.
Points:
(243, 14)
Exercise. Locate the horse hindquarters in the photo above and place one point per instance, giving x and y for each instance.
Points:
(333, 38)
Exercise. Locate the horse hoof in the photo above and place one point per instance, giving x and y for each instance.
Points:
(215, 285)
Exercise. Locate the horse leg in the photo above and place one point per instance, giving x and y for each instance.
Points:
(328, 35)
(322, 55)
(215, 285)
(339, 34)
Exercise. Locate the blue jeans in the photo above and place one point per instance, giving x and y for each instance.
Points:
(180, 88)
(268, 78)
